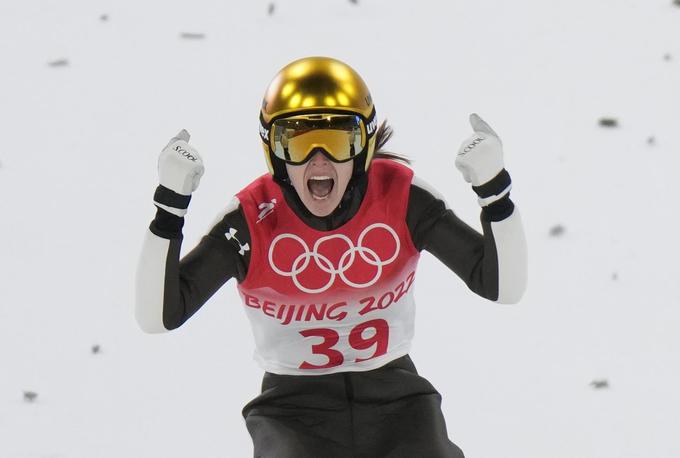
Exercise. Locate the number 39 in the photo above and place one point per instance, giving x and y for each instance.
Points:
(356, 340)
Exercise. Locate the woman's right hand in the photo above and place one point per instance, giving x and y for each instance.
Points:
(180, 167)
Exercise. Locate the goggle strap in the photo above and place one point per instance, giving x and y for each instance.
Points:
(264, 130)
(371, 124)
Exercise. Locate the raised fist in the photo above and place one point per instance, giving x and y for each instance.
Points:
(180, 167)
(480, 157)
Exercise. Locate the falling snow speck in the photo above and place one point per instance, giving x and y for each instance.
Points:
(609, 122)
(58, 63)
(600, 384)
(192, 36)
(557, 230)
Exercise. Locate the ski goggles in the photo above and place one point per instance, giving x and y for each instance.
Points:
(341, 136)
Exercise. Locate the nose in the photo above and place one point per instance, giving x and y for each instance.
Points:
(318, 158)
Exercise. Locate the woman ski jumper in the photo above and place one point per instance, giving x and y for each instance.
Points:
(324, 249)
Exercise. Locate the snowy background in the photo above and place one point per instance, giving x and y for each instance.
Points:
(90, 91)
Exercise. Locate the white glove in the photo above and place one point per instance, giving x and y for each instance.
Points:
(179, 166)
(480, 157)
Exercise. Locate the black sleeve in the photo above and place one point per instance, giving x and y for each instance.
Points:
(222, 254)
(471, 255)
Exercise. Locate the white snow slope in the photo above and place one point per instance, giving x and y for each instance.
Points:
(78, 170)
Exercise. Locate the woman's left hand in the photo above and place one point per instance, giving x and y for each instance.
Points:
(480, 157)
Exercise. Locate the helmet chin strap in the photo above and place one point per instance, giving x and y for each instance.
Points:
(359, 165)
(279, 166)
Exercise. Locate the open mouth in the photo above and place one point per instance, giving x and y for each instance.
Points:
(320, 187)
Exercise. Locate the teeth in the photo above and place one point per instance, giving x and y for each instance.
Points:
(320, 178)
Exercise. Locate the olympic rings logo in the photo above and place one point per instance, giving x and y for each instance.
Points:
(346, 260)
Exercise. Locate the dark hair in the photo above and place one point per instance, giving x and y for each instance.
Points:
(382, 136)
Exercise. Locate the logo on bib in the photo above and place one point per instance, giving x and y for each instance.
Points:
(265, 209)
(335, 256)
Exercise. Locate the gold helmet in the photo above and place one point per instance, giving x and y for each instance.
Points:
(317, 104)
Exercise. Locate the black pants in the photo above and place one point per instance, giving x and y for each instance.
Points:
(389, 412)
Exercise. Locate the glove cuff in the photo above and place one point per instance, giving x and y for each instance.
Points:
(170, 201)
(167, 225)
(494, 197)
(495, 186)
(498, 210)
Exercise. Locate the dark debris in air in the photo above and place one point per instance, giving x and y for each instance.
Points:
(104, 17)
(58, 63)
(557, 230)
(192, 36)
(651, 140)
(96, 349)
(30, 396)
(609, 122)
(600, 384)
(271, 8)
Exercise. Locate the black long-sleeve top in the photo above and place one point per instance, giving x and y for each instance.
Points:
(492, 264)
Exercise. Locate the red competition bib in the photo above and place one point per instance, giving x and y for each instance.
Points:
(321, 302)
